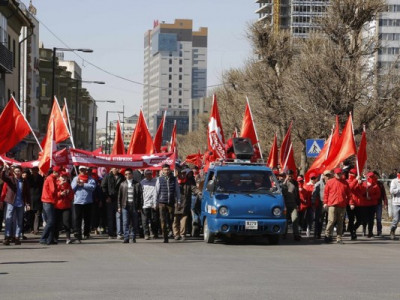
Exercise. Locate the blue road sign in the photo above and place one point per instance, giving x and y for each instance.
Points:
(314, 147)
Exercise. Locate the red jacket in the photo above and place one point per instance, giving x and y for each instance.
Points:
(49, 193)
(364, 195)
(305, 197)
(64, 201)
(337, 193)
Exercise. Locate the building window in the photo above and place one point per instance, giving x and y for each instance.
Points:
(170, 85)
(170, 77)
(180, 93)
(170, 69)
(169, 100)
(170, 61)
(180, 106)
(180, 85)
(180, 70)
(180, 100)
(170, 92)
(180, 53)
(180, 77)
(170, 54)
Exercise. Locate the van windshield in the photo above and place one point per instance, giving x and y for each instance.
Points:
(246, 182)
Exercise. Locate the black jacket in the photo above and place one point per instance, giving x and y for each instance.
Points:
(110, 185)
(137, 195)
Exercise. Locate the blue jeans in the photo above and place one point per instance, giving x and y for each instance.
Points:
(378, 212)
(396, 215)
(48, 231)
(14, 220)
(130, 220)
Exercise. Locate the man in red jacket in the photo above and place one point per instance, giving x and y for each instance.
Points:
(49, 197)
(336, 197)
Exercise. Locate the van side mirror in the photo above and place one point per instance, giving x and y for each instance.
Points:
(210, 186)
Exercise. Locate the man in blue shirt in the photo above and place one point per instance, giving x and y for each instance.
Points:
(83, 186)
(17, 197)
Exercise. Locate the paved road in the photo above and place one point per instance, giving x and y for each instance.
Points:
(107, 269)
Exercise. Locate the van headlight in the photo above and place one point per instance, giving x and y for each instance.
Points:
(223, 211)
(276, 211)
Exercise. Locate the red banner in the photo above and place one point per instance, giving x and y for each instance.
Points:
(134, 161)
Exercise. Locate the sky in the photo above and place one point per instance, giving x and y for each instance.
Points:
(115, 31)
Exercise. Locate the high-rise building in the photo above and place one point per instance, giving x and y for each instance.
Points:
(299, 16)
(175, 73)
(388, 30)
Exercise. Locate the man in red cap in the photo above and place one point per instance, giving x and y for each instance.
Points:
(336, 197)
(352, 213)
(309, 210)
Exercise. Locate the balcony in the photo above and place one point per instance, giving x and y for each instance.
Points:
(6, 59)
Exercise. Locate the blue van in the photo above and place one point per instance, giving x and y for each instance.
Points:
(242, 199)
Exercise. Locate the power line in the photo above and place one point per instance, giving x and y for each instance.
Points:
(104, 70)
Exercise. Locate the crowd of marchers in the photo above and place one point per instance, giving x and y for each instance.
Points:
(125, 203)
(114, 203)
(338, 199)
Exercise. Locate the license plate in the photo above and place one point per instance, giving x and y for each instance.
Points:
(251, 225)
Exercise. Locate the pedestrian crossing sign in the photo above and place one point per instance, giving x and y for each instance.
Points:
(314, 146)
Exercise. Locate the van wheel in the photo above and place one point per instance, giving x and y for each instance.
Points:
(273, 239)
(208, 236)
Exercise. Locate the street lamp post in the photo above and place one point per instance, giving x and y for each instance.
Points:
(107, 144)
(94, 118)
(76, 100)
(54, 66)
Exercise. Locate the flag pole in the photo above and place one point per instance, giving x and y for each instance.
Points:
(352, 128)
(69, 121)
(255, 130)
(33, 133)
(69, 126)
(287, 157)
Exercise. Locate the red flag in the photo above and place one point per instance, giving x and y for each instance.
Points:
(141, 141)
(61, 131)
(195, 159)
(158, 137)
(326, 152)
(344, 148)
(290, 163)
(98, 151)
(248, 129)
(273, 154)
(216, 140)
(362, 152)
(46, 157)
(287, 141)
(64, 114)
(118, 147)
(13, 127)
(173, 147)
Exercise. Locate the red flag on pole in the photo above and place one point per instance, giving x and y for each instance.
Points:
(273, 154)
(287, 141)
(362, 152)
(141, 141)
(13, 127)
(64, 114)
(216, 140)
(195, 159)
(46, 157)
(344, 148)
(173, 147)
(61, 132)
(158, 137)
(118, 147)
(248, 129)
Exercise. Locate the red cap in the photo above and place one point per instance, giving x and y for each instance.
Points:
(57, 169)
(299, 178)
(312, 174)
(276, 172)
(370, 174)
(64, 173)
(338, 171)
(353, 171)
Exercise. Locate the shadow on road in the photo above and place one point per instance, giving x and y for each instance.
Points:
(34, 262)
(23, 248)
